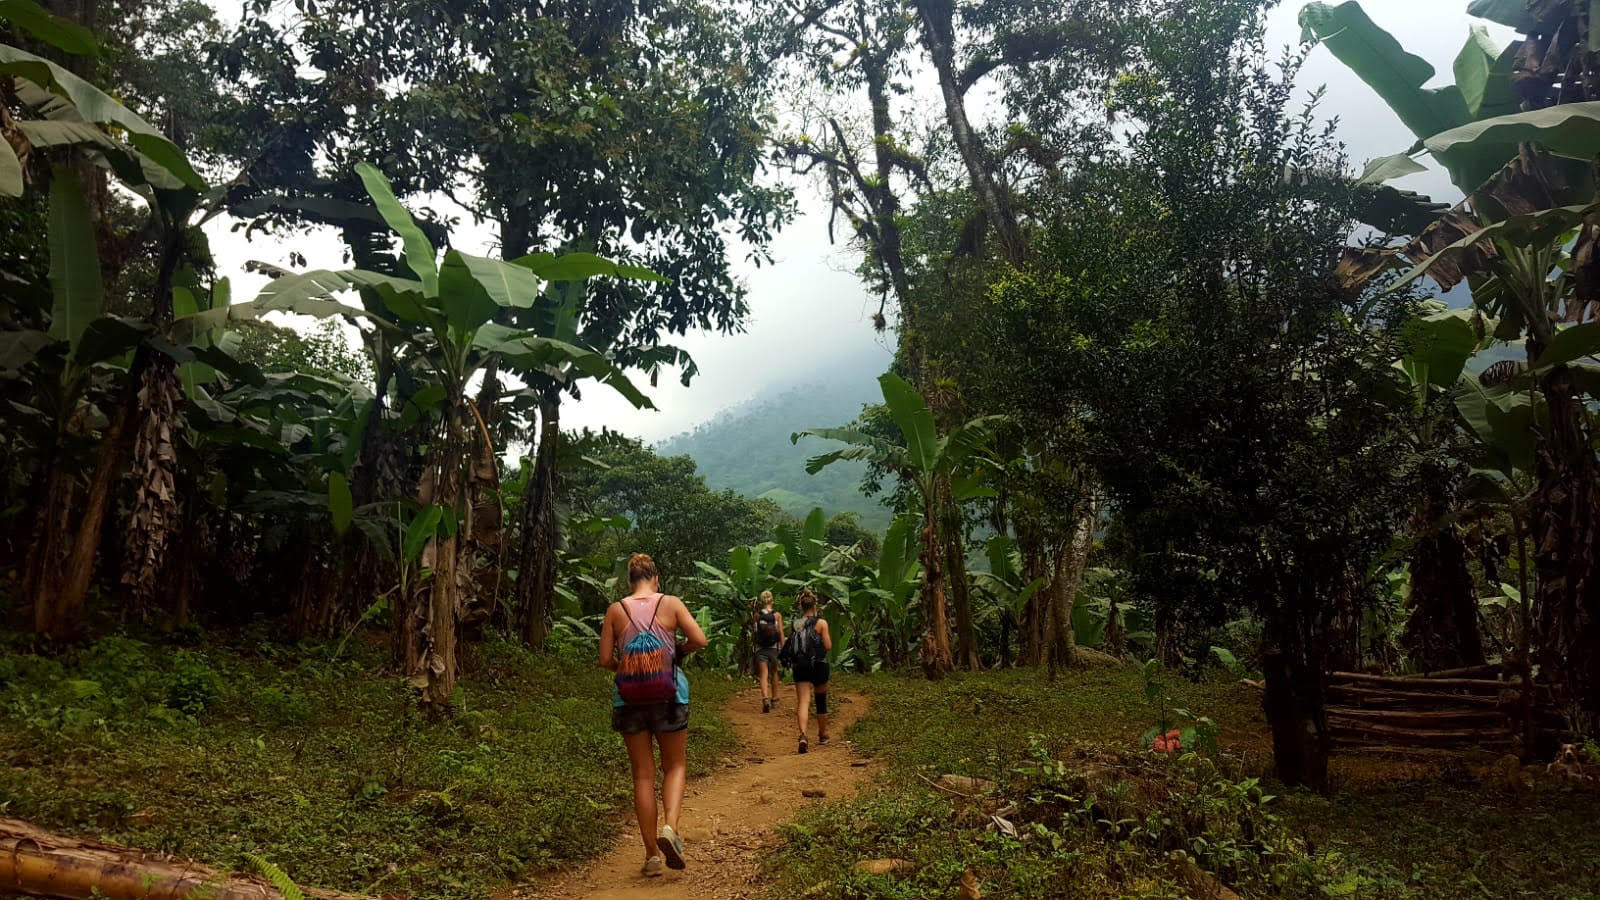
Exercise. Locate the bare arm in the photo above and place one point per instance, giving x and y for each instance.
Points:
(827, 639)
(608, 641)
(693, 638)
(778, 617)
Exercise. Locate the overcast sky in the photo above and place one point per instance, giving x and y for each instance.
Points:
(809, 310)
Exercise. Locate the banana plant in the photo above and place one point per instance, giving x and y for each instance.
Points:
(922, 458)
(732, 592)
(444, 318)
(1007, 590)
(883, 611)
(1471, 127)
(49, 112)
(1519, 135)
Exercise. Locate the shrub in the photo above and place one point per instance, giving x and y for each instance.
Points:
(281, 708)
(194, 684)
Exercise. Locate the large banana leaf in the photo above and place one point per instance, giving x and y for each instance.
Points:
(131, 166)
(18, 348)
(966, 441)
(1571, 130)
(1439, 346)
(898, 553)
(532, 351)
(94, 105)
(1517, 14)
(864, 447)
(1388, 168)
(78, 295)
(1380, 61)
(419, 251)
(464, 300)
(10, 171)
(1540, 227)
(63, 34)
(915, 420)
(1483, 74)
(1569, 345)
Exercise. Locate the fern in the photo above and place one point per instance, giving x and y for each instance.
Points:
(279, 880)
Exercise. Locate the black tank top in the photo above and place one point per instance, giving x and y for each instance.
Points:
(767, 630)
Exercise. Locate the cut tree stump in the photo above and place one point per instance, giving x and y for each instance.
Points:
(37, 862)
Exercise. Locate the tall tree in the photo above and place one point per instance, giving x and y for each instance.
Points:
(628, 129)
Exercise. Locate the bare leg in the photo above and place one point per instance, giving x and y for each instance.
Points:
(777, 682)
(802, 705)
(641, 756)
(822, 718)
(674, 773)
(766, 683)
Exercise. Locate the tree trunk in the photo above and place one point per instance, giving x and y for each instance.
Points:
(1061, 646)
(960, 590)
(1565, 526)
(435, 607)
(536, 573)
(62, 584)
(1294, 699)
(938, 31)
(155, 516)
(1169, 637)
(1035, 615)
(1442, 632)
(936, 659)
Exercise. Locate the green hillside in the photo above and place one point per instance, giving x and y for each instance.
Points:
(747, 448)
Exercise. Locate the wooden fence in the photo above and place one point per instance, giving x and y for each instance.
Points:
(1484, 707)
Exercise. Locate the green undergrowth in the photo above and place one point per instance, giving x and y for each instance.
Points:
(1086, 809)
(322, 765)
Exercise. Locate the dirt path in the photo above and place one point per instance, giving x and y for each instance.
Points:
(729, 817)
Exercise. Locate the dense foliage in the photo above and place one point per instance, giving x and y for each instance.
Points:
(1167, 384)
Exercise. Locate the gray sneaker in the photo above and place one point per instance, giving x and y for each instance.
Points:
(671, 846)
(653, 867)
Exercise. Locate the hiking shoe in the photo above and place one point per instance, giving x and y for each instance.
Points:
(671, 846)
(803, 746)
(653, 867)
(766, 705)
(822, 740)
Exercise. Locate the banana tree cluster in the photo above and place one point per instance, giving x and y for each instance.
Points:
(453, 319)
(1519, 133)
(925, 461)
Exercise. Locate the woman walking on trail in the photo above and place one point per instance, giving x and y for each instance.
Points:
(769, 637)
(650, 703)
(807, 650)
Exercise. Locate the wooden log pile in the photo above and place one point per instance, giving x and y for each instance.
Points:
(1484, 707)
(40, 864)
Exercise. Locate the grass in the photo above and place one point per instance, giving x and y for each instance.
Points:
(214, 751)
(1387, 832)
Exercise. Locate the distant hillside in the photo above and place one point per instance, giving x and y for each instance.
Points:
(746, 448)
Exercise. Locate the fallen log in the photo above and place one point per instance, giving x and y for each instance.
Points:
(1465, 672)
(1431, 736)
(1473, 685)
(1372, 696)
(35, 862)
(1432, 718)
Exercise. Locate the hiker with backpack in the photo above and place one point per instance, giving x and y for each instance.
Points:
(769, 638)
(806, 652)
(650, 703)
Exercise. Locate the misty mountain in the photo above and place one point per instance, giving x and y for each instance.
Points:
(746, 448)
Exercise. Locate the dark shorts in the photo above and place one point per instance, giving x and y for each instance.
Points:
(816, 674)
(768, 655)
(652, 718)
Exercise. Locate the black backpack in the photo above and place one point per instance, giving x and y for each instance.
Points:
(804, 646)
(767, 629)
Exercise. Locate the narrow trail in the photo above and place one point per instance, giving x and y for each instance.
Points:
(729, 817)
